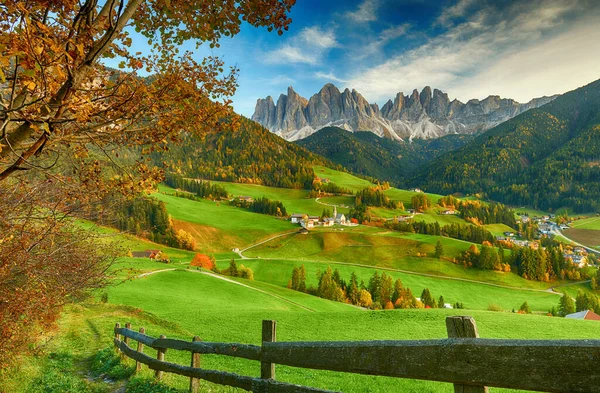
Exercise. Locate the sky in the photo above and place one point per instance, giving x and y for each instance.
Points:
(467, 48)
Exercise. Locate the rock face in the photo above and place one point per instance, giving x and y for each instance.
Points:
(428, 114)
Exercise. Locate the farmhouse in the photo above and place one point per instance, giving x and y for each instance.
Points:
(328, 222)
(448, 212)
(587, 315)
(152, 254)
(296, 218)
(246, 198)
(416, 190)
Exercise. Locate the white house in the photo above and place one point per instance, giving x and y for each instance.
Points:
(296, 218)
(328, 222)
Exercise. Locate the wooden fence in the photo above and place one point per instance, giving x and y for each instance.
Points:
(469, 362)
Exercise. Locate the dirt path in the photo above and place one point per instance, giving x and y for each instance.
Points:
(228, 280)
(241, 252)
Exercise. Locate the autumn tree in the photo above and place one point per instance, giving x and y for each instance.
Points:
(65, 118)
(203, 261)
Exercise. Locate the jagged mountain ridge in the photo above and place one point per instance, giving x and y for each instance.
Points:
(425, 115)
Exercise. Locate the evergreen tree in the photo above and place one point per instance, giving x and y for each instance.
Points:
(233, 269)
(397, 290)
(439, 249)
(524, 309)
(353, 291)
(441, 302)
(427, 299)
(302, 279)
(566, 305)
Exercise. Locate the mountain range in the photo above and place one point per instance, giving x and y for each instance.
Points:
(425, 115)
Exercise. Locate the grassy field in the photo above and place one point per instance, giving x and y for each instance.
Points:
(473, 295)
(592, 223)
(383, 250)
(295, 201)
(219, 227)
(342, 179)
(181, 304)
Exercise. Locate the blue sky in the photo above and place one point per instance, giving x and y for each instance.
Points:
(468, 48)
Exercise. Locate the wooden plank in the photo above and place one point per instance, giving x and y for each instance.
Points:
(218, 377)
(269, 335)
(160, 356)
(464, 327)
(128, 327)
(140, 349)
(195, 363)
(251, 352)
(139, 337)
(516, 364)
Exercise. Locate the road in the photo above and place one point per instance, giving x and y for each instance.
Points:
(556, 231)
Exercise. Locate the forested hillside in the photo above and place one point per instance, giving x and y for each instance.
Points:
(248, 154)
(367, 154)
(547, 158)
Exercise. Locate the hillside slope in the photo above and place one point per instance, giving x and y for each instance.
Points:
(547, 157)
(367, 154)
(248, 154)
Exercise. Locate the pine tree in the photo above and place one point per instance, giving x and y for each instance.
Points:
(439, 249)
(233, 269)
(441, 302)
(524, 309)
(566, 305)
(427, 299)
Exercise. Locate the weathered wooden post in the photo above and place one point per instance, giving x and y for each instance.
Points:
(269, 328)
(117, 336)
(464, 327)
(160, 355)
(195, 382)
(125, 338)
(140, 349)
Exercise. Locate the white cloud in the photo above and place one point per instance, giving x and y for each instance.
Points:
(278, 80)
(532, 52)
(456, 11)
(315, 36)
(289, 54)
(329, 76)
(367, 12)
(308, 47)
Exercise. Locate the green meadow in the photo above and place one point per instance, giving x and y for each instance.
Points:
(181, 302)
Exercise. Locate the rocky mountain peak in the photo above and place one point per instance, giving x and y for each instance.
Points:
(428, 114)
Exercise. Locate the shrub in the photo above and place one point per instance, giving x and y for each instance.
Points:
(185, 240)
(494, 307)
(203, 261)
(245, 272)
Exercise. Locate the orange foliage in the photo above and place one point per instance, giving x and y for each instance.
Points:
(203, 261)
(389, 305)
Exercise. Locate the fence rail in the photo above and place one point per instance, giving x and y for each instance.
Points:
(469, 362)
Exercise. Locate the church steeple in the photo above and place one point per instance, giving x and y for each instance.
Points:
(334, 212)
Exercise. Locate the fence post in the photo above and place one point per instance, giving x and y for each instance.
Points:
(117, 336)
(464, 327)
(269, 328)
(140, 349)
(160, 355)
(125, 338)
(195, 382)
